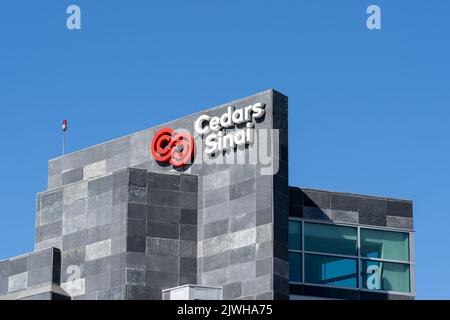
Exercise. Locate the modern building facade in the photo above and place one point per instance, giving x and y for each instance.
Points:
(205, 201)
(350, 246)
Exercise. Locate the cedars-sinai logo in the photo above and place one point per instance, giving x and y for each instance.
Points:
(175, 148)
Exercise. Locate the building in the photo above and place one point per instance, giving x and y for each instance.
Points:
(205, 201)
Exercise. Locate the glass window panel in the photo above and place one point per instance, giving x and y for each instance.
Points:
(331, 271)
(385, 244)
(295, 266)
(329, 238)
(295, 235)
(376, 275)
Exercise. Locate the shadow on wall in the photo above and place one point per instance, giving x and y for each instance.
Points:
(302, 205)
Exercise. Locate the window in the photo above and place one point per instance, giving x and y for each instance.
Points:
(385, 244)
(327, 254)
(387, 276)
(295, 266)
(327, 270)
(329, 238)
(295, 235)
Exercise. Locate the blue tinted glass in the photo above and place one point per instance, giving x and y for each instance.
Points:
(329, 238)
(295, 266)
(385, 244)
(385, 276)
(295, 235)
(331, 271)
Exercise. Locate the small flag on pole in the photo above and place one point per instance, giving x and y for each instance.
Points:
(64, 126)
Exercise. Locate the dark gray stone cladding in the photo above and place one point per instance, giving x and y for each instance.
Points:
(32, 271)
(134, 234)
(230, 234)
(350, 208)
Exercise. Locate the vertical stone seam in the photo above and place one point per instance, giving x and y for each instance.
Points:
(126, 230)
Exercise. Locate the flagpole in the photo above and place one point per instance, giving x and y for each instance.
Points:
(64, 129)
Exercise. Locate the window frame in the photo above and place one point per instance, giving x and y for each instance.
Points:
(384, 259)
(388, 262)
(358, 257)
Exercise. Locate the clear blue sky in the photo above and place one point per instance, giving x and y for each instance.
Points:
(369, 110)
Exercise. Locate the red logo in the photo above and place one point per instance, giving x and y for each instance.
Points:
(176, 148)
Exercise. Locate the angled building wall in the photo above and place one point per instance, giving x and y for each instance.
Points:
(34, 276)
